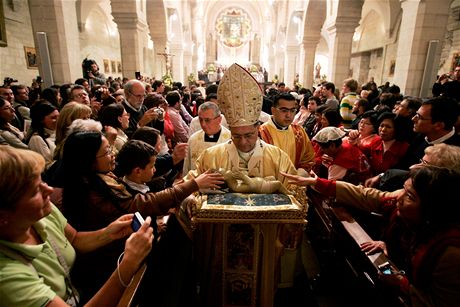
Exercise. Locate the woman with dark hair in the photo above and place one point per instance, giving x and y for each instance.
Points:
(388, 148)
(42, 133)
(423, 231)
(38, 246)
(114, 115)
(365, 135)
(93, 195)
(12, 135)
(331, 118)
(53, 96)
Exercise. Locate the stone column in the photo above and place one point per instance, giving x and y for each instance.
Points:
(133, 33)
(422, 21)
(255, 50)
(177, 62)
(211, 49)
(290, 65)
(58, 19)
(309, 47)
(188, 64)
(340, 37)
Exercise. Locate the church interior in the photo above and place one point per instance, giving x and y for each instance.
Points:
(406, 43)
(157, 59)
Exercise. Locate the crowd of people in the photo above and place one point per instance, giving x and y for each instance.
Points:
(92, 153)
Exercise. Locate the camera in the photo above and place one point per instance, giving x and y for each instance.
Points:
(137, 222)
(159, 112)
(385, 268)
(7, 81)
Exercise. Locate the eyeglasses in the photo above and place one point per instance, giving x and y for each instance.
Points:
(417, 116)
(108, 152)
(141, 96)
(424, 162)
(81, 95)
(286, 110)
(207, 120)
(363, 122)
(9, 108)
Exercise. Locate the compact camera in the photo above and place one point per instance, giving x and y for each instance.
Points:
(159, 112)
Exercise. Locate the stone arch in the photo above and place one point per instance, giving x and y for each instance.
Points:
(371, 32)
(99, 39)
(294, 29)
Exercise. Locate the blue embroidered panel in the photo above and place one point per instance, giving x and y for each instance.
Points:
(249, 200)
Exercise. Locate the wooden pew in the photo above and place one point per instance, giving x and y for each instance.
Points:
(128, 298)
(342, 234)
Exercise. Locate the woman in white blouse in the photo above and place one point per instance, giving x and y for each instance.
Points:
(42, 134)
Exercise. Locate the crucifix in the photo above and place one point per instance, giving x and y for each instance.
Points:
(167, 57)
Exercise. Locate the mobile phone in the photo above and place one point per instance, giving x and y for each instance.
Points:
(138, 75)
(385, 268)
(137, 222)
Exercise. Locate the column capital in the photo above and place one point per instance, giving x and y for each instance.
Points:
(129, 21)
(343, 25)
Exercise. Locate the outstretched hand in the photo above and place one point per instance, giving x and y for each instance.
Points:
(300, 180)
(209, 180)
(373, 247)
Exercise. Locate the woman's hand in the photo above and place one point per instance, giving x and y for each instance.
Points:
(326, 160)
(372, 182)
(139, 244)
(373, 247)
(209, 180)
(353, 134)
(300, 180)
(120, 228)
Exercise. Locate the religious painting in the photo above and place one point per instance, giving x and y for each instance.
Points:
(233, 27)
(31, 57)
(106, 65)
(119, 67)
(3, 42)
(114, 66)
(240, 247)
(241, 250)
(455, 61)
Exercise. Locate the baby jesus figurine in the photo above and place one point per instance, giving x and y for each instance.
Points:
(242, 183)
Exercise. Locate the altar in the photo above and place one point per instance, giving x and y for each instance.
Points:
(238, 247)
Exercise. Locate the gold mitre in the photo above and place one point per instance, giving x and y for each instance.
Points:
(239, 97)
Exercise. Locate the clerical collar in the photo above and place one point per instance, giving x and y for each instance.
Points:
(246, 156)
(279, 127)
(213, 137)
(142, 188)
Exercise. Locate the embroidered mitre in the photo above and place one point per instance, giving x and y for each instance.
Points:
(240, 97)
